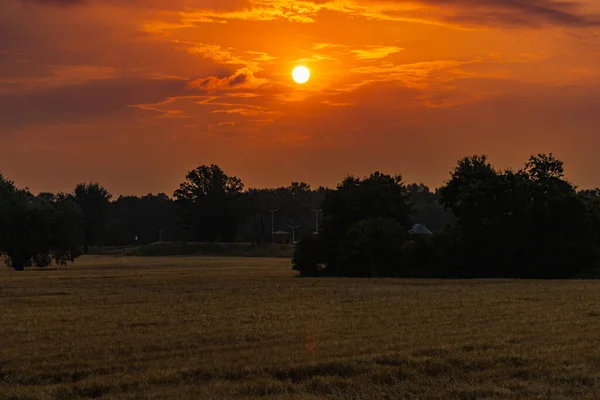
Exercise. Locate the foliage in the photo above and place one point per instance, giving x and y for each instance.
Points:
(259, 202)
(93, 200)
(372, 247)
(7, 197)
(426, 207)
(378, 196)
(132, 217)
(211, 204)
(37, 230)
(309, 256)
(430, 256)
(529, 223)
(294, 205)
(357, 214)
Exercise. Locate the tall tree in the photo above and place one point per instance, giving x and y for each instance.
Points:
(211, 204)
(528, 223)
(260, 201)
(8, 196)
(355, 199)
(93, 200)
(356, 215)
(37, 230)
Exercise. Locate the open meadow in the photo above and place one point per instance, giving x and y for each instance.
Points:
(218, 328)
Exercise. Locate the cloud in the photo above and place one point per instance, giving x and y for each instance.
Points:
(416, 75)
(247, 112)
(375, 52)
(456, 13)
(445, 12)
(503, 12)
(243, 78)
(520, 13)
(214, 52)
(60, 3)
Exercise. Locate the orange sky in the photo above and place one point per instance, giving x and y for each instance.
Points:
(134, 93)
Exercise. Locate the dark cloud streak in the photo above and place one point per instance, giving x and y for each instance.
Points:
(70, 103)
(526, 13)
(520, 12)
(60, 3)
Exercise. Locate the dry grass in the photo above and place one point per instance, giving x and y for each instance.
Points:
(208, 328)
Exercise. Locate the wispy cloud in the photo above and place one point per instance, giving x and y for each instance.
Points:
(213, 51)
(450, 12)
(444, 12)
(243, 78)
(374, 52)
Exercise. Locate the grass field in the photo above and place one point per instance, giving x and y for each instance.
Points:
(218, 328)
(198, 249)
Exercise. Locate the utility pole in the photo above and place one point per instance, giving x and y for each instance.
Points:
(160, 231)
(294, 232)
(272, 225)
(317, 218)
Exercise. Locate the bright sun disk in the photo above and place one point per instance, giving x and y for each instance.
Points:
(301, 74)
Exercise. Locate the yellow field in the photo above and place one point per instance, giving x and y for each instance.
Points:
(208, 328)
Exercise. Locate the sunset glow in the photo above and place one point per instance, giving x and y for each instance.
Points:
(134, 94)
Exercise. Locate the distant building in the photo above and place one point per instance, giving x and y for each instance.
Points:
(420, 229)
(282, 237)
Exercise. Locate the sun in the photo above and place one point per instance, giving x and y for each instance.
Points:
(301, 74)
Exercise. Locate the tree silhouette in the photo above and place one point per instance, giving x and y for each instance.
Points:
(259, 202)
(93, 199)
(133, 216)
(37, 230)
(211, 204)
(528, 223)
(356, 215)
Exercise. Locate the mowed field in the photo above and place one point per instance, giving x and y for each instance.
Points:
(220, 328)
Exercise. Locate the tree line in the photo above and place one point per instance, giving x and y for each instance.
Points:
(530, 223)
(209, 206)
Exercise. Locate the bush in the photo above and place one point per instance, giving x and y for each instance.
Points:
(372, 248)
(310, 256)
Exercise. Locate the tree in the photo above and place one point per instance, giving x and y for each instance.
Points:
(530, 223)
(141, 217)
(427, 208)
(8, 196)
(37, 230)
(294, 205)
(379, 198)
(211, 204)
(309, 257)
(373, 248)
(66, 235)
(260, 201)
(93, 200)
(591, 199)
